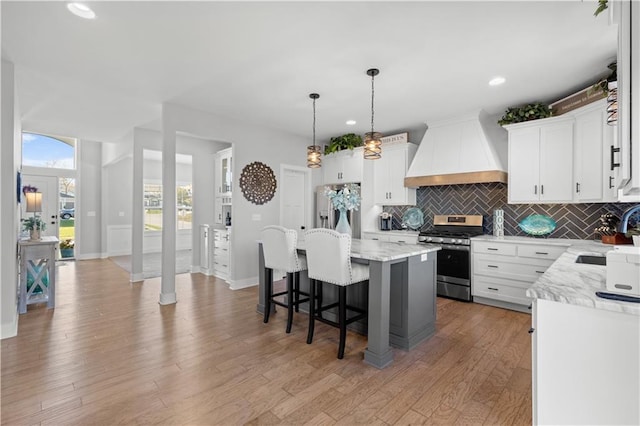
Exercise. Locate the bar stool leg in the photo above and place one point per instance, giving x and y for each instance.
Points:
(268, 291)
(312, 309)
(297, 290)
(320, 300)
(290, 302)
(342, 319)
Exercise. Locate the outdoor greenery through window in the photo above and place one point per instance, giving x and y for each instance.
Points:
(48, 151)
(153, 206)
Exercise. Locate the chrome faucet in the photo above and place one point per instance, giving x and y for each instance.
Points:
(624, 222)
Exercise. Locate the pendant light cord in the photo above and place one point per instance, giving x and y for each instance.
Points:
(314, 121)
(372, 94)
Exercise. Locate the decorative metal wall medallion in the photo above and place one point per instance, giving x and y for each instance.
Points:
(258, 183)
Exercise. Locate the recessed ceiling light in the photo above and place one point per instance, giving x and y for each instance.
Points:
(351, 122)
(81, 10)
(497, 81)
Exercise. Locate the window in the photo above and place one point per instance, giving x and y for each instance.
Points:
(48, 151)
(153, 207)
(185, 206)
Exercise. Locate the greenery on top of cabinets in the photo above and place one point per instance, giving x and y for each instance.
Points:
(338, 143)
(602, 6)
(603, 84)
(525, 113)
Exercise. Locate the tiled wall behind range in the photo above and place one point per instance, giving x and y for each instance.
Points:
(574, 220)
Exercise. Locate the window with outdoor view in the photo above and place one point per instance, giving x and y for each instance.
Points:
(153, 207)
(48, 151)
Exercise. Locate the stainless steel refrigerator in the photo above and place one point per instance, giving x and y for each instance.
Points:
(327, 216)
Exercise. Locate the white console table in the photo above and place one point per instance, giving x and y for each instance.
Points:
(37, 259)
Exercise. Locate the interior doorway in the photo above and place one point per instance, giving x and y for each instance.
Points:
(295, 198)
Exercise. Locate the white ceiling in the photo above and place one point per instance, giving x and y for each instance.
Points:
(258, 61)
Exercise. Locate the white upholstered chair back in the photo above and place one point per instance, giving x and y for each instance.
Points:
(329, 257)
(279, 247)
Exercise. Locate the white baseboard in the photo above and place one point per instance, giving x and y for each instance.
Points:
(244, 283)
(10, 329)
(89, 256)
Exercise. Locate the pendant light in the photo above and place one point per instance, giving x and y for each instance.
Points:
(372, 142)
(612, 104)
(314, 160)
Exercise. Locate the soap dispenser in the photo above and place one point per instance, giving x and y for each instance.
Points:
(227, 220)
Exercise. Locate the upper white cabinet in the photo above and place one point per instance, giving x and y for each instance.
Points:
(343, 166)
(223, 173)
(541, 161)
(594, 180)
(389, 173)
(627, 16)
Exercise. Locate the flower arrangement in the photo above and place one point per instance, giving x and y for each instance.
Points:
(347, 198)
(67, 244)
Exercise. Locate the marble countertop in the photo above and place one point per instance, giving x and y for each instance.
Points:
(532, 240)
(576, 283)
(384, 251)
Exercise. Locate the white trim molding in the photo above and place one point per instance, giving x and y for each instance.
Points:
(243, 283)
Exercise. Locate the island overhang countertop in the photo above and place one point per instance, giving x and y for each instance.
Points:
(383, 251)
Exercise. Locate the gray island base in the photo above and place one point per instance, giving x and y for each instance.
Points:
(400, 296)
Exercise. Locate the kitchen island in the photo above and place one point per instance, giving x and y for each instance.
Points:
(585, 349)
(401, 294)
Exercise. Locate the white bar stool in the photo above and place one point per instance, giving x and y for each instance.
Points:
(329, 261)
(279, 247)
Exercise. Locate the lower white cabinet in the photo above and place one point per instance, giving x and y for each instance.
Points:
(206, 249)
(221, 253)
(502, 271)
(585, 365)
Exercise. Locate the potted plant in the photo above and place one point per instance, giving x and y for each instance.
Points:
(608, 83)
(338, 143)
(602, 6)
(525, 113)
(34, 225)
(66, 248)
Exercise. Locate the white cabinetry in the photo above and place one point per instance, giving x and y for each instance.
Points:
(343, 166)
(206, 249)
(594, 180)
(221, 253)
(540, 161)
(389, 173)
(585, 365)
(627, 17)
(224, 185)
(503, 271)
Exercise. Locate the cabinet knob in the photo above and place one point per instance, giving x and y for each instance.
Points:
(613, 163)
(531, 330)
(577, 187)
(535, 189)
(610, 182)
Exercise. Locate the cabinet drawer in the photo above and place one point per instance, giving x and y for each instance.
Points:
(499, 289)
(409, 239)
(222, 266)
(496, 266)
(374, 236)
(494, 248)
(221, 253)
(540, 251)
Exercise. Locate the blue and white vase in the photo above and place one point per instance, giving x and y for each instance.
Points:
(343, 226)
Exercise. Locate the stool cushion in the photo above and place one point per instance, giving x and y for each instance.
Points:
(279, 245)
(329, 258)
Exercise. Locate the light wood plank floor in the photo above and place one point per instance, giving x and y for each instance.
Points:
(109, 353)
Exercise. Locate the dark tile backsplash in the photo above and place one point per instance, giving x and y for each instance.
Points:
(574, 220)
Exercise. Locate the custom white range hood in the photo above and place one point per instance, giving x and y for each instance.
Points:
(468, 149)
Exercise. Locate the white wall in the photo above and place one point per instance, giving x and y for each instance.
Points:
(250, 143)
(89, 197)
(10, 158)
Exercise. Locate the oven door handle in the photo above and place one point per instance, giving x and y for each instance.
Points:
(455, 247)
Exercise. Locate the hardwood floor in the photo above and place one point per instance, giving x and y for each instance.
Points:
(109, 353)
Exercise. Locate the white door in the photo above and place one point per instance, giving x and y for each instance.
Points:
(295, 206)
(48, 186)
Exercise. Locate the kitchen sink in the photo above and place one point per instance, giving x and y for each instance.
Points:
(592, 260)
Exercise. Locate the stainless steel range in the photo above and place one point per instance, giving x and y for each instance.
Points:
(453, 233)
